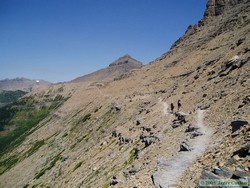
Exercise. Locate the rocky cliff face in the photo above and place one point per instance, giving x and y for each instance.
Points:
(218, 7)
(233, 15)
(125, 134)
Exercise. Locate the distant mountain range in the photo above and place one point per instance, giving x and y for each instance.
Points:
(117, 70)
(22, 84)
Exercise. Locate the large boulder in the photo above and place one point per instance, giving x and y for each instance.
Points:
(116, 107)
(191, 128)
(237, 124)
(222, 171)
(113, 181)
(185, 146)
(148, 140)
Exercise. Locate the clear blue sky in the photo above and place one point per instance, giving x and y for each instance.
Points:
(59, 40)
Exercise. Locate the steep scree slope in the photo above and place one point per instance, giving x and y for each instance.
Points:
(116, 135)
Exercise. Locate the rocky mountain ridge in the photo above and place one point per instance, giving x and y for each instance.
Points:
(119, 69)
(218, 7)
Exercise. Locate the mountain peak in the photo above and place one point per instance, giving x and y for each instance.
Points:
(126, 59)
(217, 7)
(115, 70)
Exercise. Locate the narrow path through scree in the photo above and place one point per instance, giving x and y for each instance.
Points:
(169, 170)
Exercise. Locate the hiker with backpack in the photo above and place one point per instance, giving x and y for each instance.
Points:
(179, 104)
(172, 107)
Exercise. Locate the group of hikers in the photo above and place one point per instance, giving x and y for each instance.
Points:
(178, 106)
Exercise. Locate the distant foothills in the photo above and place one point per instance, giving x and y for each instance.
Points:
(22, 84)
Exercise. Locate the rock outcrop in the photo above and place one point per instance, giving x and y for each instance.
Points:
(217, 7)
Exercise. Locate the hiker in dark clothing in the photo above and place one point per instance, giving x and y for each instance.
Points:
(172, 107)
(179, 104)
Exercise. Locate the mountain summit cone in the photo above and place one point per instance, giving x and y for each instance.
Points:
(119, 69)
(128, 60)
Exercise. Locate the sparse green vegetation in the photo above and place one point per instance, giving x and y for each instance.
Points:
(58, 100)
(24, 114)
(126, 163)
(52, 164)
(56, 158)
(86, 117)
(34, 148)
(73, 146)
(26, 186)
(64, 135)
(6, 113)
(8, 163)
(11, 161)
(98, 128)
(92, 177)
(81, 139)
(80, 121)
(106, 185)
(130, 160)
(24, 123)
(41, 173)
(78, 165)
(108, 145)
(86, 139)
(97, 109)
(108, 120)
(132, 157)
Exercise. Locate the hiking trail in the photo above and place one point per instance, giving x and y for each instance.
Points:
(169, 170)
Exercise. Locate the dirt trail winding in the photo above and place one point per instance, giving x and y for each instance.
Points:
(169, 170)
